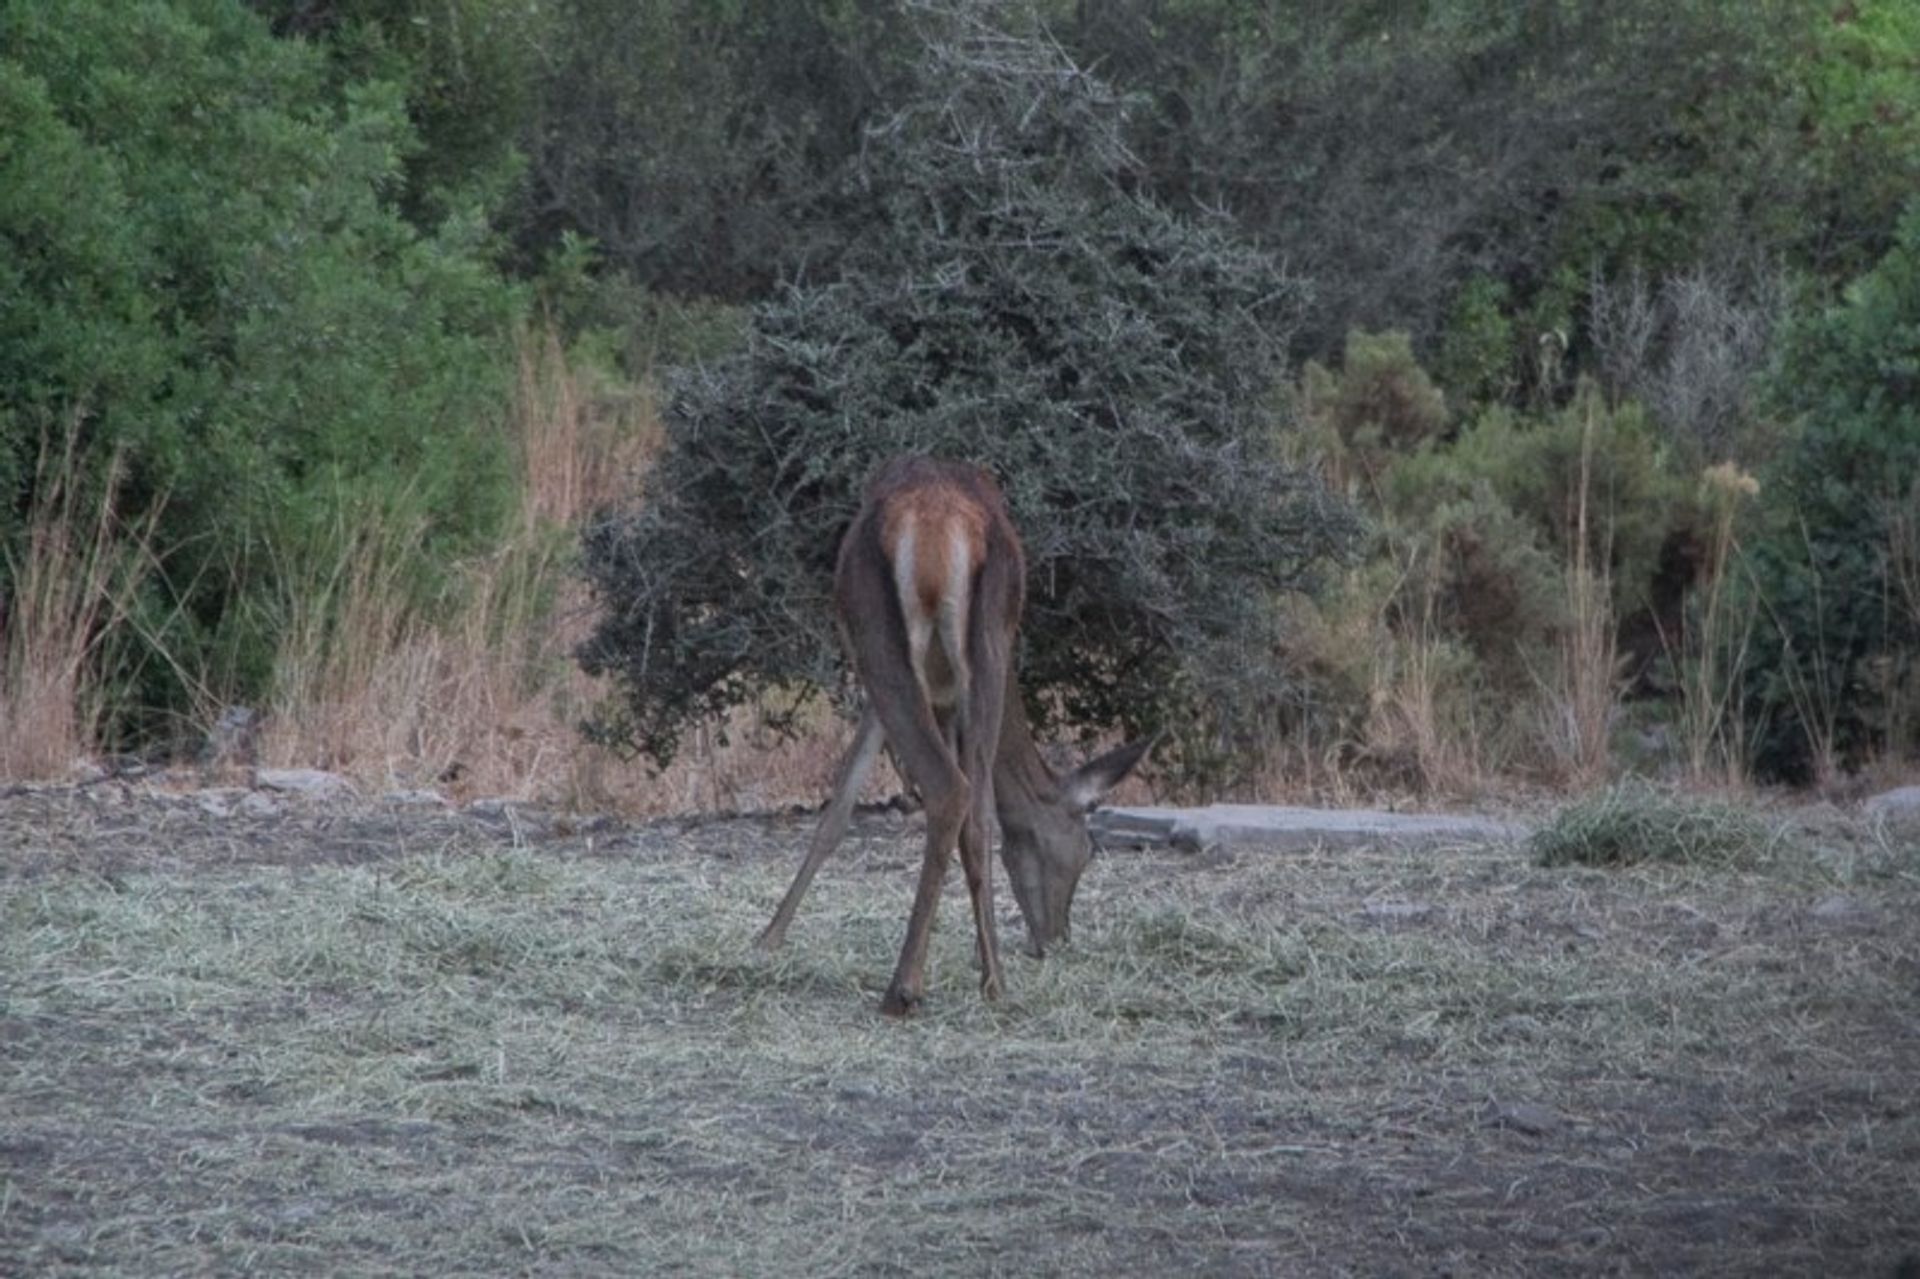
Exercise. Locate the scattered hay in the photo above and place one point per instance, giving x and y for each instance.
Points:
(410, 1043)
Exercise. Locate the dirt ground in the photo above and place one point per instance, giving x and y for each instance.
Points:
(369, 1039)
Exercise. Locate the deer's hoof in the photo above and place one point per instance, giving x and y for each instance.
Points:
(899, 1003)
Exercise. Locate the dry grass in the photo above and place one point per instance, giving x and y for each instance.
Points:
(1711, 655)
(484, 700)
(481, 697)
(1422, 711)
(377, 1042)
(78, 573)
(1578, 703)
(1633, 823)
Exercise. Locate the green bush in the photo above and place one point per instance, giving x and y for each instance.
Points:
(1012, 302)
(203, 270)
(1475, 361)
(1634, 496)
(1837, 664)
(1380, 403)
(470, 72)
(1468, 598)
(1492, 517)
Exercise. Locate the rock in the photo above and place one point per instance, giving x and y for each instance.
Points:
(220, 801)
(1899, 807)
(255, 804)
(1841, 911)
(1523, 1116)
(84, 772)
(1292, 829)
(314, 782)
(415, 798)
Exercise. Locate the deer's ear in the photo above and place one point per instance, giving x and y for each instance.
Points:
(1087, 784)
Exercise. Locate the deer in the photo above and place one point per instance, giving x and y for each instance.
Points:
(929, 587)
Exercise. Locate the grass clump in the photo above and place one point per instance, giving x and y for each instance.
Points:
(1629, 824)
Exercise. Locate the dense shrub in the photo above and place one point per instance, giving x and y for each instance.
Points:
(1694, 348)
(1476, 354)
(701, 145)
(1837, 672)
(1396, 154)
(202, 271)
(471, 73)
(1014, 302)
(1381, 402)
(1473, 578)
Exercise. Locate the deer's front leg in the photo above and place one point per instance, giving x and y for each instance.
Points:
(854, 767)
(978, 866)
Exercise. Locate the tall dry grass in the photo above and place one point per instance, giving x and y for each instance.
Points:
(481, 697)
(473, 694)
(1710, 654)
(76, 577)
(1579, 698)
(476, 694)
(1422, 711)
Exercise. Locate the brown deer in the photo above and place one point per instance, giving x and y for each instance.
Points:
(929, 588)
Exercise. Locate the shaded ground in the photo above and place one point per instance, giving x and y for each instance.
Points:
(405, 1041)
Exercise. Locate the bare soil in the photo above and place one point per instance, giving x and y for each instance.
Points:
(377, 1039)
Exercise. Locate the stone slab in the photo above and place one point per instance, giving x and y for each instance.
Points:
(1898, 808)
(1293, 829)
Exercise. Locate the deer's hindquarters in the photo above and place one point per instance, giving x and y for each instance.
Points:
(935, 542)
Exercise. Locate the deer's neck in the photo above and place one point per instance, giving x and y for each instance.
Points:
(1022, 780)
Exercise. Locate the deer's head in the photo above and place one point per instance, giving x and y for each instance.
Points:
(1043, 827)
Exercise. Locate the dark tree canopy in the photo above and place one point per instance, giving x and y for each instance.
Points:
(1013, 301)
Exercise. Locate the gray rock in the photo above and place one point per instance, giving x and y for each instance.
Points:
(314, 782)
(1899, 807)
(219, 801)
(84, 772)
(255, 804)
(1523, 1116)
(1840, 911)
(1293, 829)
(415, 798)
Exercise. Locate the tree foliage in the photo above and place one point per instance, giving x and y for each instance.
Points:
(1012, 300)
(263, 252)
(698, 144)
(203, 272)
(1838, 568)
(1397, 154)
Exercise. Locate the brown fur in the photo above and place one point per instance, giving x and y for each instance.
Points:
(946, 701)
(936, 514)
